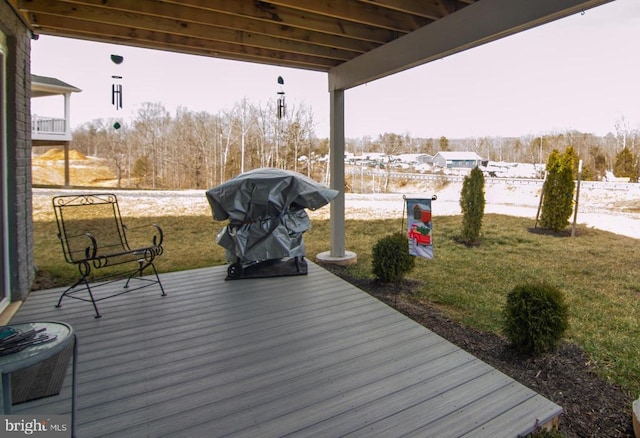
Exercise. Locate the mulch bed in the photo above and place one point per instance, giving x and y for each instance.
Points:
(592, 406)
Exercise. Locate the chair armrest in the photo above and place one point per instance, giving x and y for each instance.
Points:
(84, 244)
(138, 237)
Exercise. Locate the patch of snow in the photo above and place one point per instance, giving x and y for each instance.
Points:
(602, 205)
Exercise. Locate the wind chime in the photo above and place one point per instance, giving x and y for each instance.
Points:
(282, 106)
(116, 88)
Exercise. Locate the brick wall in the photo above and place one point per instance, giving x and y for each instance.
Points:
(18, 93)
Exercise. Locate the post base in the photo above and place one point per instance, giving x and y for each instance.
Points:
(350, 258)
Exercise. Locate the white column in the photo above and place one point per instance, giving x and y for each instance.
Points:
(67, 114)
(337, 254)
(336, 143)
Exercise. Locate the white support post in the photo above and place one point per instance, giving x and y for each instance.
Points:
(67, 114)
(338, 253)
(336, 162)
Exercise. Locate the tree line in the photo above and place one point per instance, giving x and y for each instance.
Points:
(201, 150)
(616, 152)
(191, 149)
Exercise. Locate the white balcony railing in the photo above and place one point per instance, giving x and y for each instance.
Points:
(49, 128)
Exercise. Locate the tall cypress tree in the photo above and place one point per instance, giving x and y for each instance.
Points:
(558, 190)
(472, 205)
(626, 165)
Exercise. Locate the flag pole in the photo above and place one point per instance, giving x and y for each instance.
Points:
(575, 211)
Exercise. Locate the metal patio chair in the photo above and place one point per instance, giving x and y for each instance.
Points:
(94, 239)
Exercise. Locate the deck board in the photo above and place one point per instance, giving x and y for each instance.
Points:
(289, 356)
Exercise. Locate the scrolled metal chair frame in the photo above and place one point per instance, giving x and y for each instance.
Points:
(81, 237)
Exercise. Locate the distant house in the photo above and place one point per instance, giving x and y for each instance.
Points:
(366, 159)
(457, 160)
(46, 130)
(413, 159)
(53, 131)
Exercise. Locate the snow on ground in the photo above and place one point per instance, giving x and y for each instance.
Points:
(601, 205)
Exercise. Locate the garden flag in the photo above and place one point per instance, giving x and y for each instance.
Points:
(419, 227)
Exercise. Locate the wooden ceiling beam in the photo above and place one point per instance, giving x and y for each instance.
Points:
(42, 9)
(209, 17)
(287, 18)
(93, 31)
(263, 58)
(353, 10)
(431, 9)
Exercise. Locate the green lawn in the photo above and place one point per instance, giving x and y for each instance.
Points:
(597, 270)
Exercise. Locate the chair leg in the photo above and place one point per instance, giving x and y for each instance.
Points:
(68, 290)
(86, 285)
(155, 271)
(142, 266)
(93, 301)
(85, 269)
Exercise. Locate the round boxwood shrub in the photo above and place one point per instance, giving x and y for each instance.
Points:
(391, 260)
(535, 318)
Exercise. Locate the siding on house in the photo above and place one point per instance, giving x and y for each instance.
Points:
(425, 159)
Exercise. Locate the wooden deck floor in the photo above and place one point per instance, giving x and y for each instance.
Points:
(288, 356)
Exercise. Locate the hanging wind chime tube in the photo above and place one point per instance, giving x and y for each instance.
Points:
(116, 87)
(116, 93)
(281, 105)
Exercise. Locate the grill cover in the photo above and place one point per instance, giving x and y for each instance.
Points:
(266, 213)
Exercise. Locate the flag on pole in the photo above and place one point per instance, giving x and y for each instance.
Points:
(419, 227)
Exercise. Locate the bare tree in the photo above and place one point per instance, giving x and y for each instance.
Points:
(101, 139)
(204, 133)
(243, 118)
(622, 131)
(264, 135)
(86, 138)
(151, 124)
(226, 131)
(298, 132)
(390, 145)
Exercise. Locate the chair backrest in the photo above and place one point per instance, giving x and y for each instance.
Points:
(89, 226)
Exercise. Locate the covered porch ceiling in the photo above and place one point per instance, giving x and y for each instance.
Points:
(355, 41)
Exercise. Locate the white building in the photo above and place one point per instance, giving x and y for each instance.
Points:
(457, 160)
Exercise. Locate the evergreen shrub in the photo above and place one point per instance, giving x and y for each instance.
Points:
(472, 203)
(391, 260)
(558, 190)
(536, 318)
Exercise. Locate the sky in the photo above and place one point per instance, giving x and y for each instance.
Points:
(578, 73)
